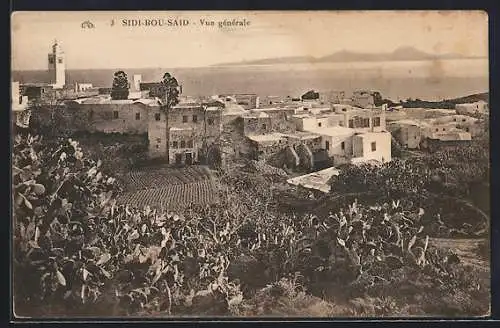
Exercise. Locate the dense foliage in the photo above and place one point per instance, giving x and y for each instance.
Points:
(77, 252)
(120, 87)
(170, 90)
(445, 180)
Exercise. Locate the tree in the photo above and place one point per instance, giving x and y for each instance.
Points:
(170, 90)
(310, 95)
(120, 88)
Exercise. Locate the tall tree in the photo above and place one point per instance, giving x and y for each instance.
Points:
(170, 90)
(120, 88)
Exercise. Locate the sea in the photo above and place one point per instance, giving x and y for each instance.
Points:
(426, 80)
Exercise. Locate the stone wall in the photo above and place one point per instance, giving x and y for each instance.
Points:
(130, 118)
(157, 133)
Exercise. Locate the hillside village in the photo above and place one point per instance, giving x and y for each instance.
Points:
(315, 131)
(136, 198)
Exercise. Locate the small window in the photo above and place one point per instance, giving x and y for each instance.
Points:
(184, 119)
(157, 116)
(190, 144)
(195, 119)
(344, 109)
(341, 123)
(158, 140)
(51, 60)
(444, 129)
(264, 127)
(183, 144)
(437, 130)
(59, 60)
(342, 145)
(210, 121)
(374, 146)
(319, 124)
(455, 119)
(20, 100)
(115, 114)
(351, 124)
(376, 121)
(467, 129)
(463, 120)
(137, 116)
(327, 145)
(174, 144)
(157, 146)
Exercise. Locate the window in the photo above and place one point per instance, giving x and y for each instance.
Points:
(115, 114)
(437, 130)
(157, 146)
(184, 119)
(51, 60)
(183, 144)
(20, 100)
(210, 121)
(374, 146)
(195, 119)
(444, 129)
(366, 123)
(264, 127)
(376, 121)
(190, 144)
(319, 124)
(344, 109)
(158, 140)
(342, 145)
(157, 116)
(467, 129)
(463, 120)
(91, 114)
(455, 119)
(341, 123)
(137, 116)
(59, 60)
(327, 145)
(174, 144)
(351, 123)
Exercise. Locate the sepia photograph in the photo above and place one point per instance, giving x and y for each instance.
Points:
(250, 164)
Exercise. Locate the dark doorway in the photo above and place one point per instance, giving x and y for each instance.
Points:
(178, 159)
(189, 158)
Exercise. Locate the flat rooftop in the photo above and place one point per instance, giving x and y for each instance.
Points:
(334, 131)
(316, 180)
(269, 137)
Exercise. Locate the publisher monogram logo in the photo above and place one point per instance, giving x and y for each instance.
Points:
(87, 25)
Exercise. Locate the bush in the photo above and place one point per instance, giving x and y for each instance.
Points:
(76, 252)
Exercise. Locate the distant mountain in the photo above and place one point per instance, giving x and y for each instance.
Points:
(400, 54)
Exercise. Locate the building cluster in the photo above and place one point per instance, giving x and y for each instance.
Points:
(448, 127)
(297, 133)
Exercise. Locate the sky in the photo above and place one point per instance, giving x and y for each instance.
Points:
(269, 34)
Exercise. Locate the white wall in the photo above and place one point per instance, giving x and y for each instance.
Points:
(335, 144)
(362, 146)
(18, 102)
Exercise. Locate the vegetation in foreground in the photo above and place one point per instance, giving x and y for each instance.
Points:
(78, 253)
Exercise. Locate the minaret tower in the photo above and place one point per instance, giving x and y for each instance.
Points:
(57, 66)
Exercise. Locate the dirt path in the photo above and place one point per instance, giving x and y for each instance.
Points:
(466, 249)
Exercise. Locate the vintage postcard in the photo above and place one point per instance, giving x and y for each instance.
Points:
(250, 164)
